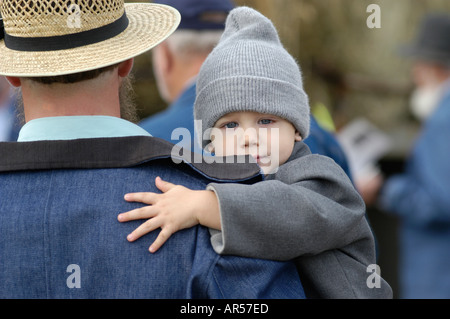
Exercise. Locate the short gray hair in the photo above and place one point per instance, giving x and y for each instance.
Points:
(188, 43)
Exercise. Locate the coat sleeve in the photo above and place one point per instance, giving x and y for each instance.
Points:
(421, 193)
(311, 207)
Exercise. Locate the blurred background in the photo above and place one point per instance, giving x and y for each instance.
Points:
(350, 71)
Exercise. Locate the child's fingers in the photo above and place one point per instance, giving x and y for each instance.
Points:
(144, 197)
(163, 186)
(164, 234)
(144, 228)
(138, 213)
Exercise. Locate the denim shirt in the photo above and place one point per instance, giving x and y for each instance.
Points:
(178, 115)
(60, 237)
(9, 122)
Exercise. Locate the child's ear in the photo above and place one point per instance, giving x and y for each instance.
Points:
(298, 137)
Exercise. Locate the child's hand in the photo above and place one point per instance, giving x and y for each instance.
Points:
(175, 209)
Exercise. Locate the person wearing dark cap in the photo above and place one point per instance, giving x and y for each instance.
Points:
(176, 63)
(420, 196)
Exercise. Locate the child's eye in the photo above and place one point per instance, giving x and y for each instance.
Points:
(231, 125)
(265, 121)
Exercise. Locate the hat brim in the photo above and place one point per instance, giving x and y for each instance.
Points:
(149, 25)
(416, 52)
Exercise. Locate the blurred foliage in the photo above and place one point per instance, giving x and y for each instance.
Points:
(351, 69)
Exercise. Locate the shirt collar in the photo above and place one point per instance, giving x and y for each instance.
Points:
(77, 127)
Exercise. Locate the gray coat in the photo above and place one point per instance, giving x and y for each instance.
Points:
(308, 210)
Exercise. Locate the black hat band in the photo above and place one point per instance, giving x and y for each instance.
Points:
(65, 42)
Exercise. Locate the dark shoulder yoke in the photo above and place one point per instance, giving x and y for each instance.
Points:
(118, 152)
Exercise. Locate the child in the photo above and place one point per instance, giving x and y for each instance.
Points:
(306, 209)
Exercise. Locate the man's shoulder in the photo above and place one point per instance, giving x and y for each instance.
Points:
(164, 122)
(118, 152)
(442, 113)
(178, 114)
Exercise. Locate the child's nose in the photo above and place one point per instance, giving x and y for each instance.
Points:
(250, 138)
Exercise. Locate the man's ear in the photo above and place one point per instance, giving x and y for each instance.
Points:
(298, 137)
(125, 67)
(166, 58)
(14, 81)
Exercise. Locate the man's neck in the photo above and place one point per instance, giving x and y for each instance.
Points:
(91, 97)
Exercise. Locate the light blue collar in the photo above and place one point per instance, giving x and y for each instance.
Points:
(76, 127)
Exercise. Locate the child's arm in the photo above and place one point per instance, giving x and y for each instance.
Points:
(309, 208)
(176, 208)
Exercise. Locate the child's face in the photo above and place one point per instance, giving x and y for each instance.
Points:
(269, 139)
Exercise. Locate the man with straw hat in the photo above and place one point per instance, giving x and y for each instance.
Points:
(62, 185)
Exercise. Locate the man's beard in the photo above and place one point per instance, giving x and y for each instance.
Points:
(128, 109)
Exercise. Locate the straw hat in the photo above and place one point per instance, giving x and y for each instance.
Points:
(51, 37)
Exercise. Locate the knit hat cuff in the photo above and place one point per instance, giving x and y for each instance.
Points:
(251, 93)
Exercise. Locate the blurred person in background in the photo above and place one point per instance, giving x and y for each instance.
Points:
(9, 123)
(176, 63)
(420, 196)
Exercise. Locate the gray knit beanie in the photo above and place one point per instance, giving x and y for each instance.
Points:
(249, 70)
